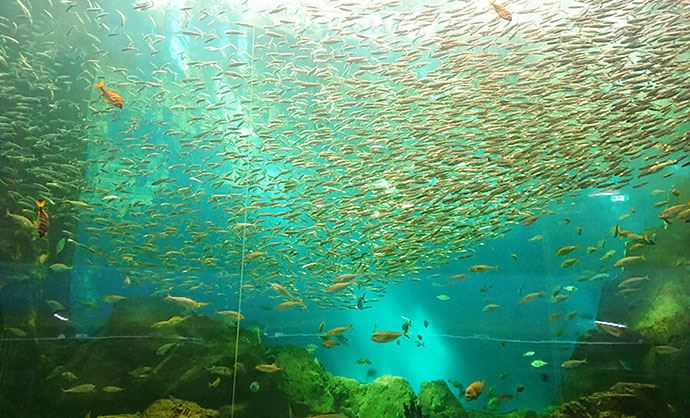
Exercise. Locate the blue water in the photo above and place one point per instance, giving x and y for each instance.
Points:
(462, 342)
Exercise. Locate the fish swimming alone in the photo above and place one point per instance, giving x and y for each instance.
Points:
(85, 388)
(571, 364)
(110, 96)
(268, 368)
(474, 390)
(386, 336)
(43, 219)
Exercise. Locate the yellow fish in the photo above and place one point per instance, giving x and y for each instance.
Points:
(268, 368)
(186, 301)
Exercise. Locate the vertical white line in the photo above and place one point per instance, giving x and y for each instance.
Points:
(244, 236)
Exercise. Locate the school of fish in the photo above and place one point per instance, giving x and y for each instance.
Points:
(328, 150)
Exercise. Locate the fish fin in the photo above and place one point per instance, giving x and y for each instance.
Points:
(100, 84)
(40, 203)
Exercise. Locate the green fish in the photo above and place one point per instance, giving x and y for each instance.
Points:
(528, 354)
(164, 349)
(538, 363)
(112, 389)
(60, 246)
(220, 370)
(23, 221)
(141, 372)
(442, 297)
(59, 267)
(85, 388)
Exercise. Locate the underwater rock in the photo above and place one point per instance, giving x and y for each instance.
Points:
(134, 316)
(166, 408)
(305, 381)
(622, 400)
(348, 395)
(606, 365)
(385, 397)
(195, 364)
(437, 401)
(518, 413)
(137, 415)
(656, 314)
(412, 410)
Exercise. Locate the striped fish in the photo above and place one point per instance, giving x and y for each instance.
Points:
(43, 220)
(110, 96)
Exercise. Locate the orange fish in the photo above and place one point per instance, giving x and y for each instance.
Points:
(110, 96)
(529, 298)
(502, 11)
(282, 290)
(474, 390)
(386, 336)
(291, 304)
(43, 220)
(328, 343)
(334, 288)
(337, 331)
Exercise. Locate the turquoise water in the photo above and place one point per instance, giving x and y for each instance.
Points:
(262, 150)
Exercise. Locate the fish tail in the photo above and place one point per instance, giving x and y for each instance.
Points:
(100, 84)
(40, 204)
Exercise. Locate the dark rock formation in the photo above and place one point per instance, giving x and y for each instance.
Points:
(656, 312)
(622, 400)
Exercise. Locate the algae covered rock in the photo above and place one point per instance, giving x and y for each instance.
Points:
(189, 360)
(385, 398)
(171, 407)
(437, 401)
(304, 381)
(165, 408)
(518, 413)
(348, 395)
(622, 400)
